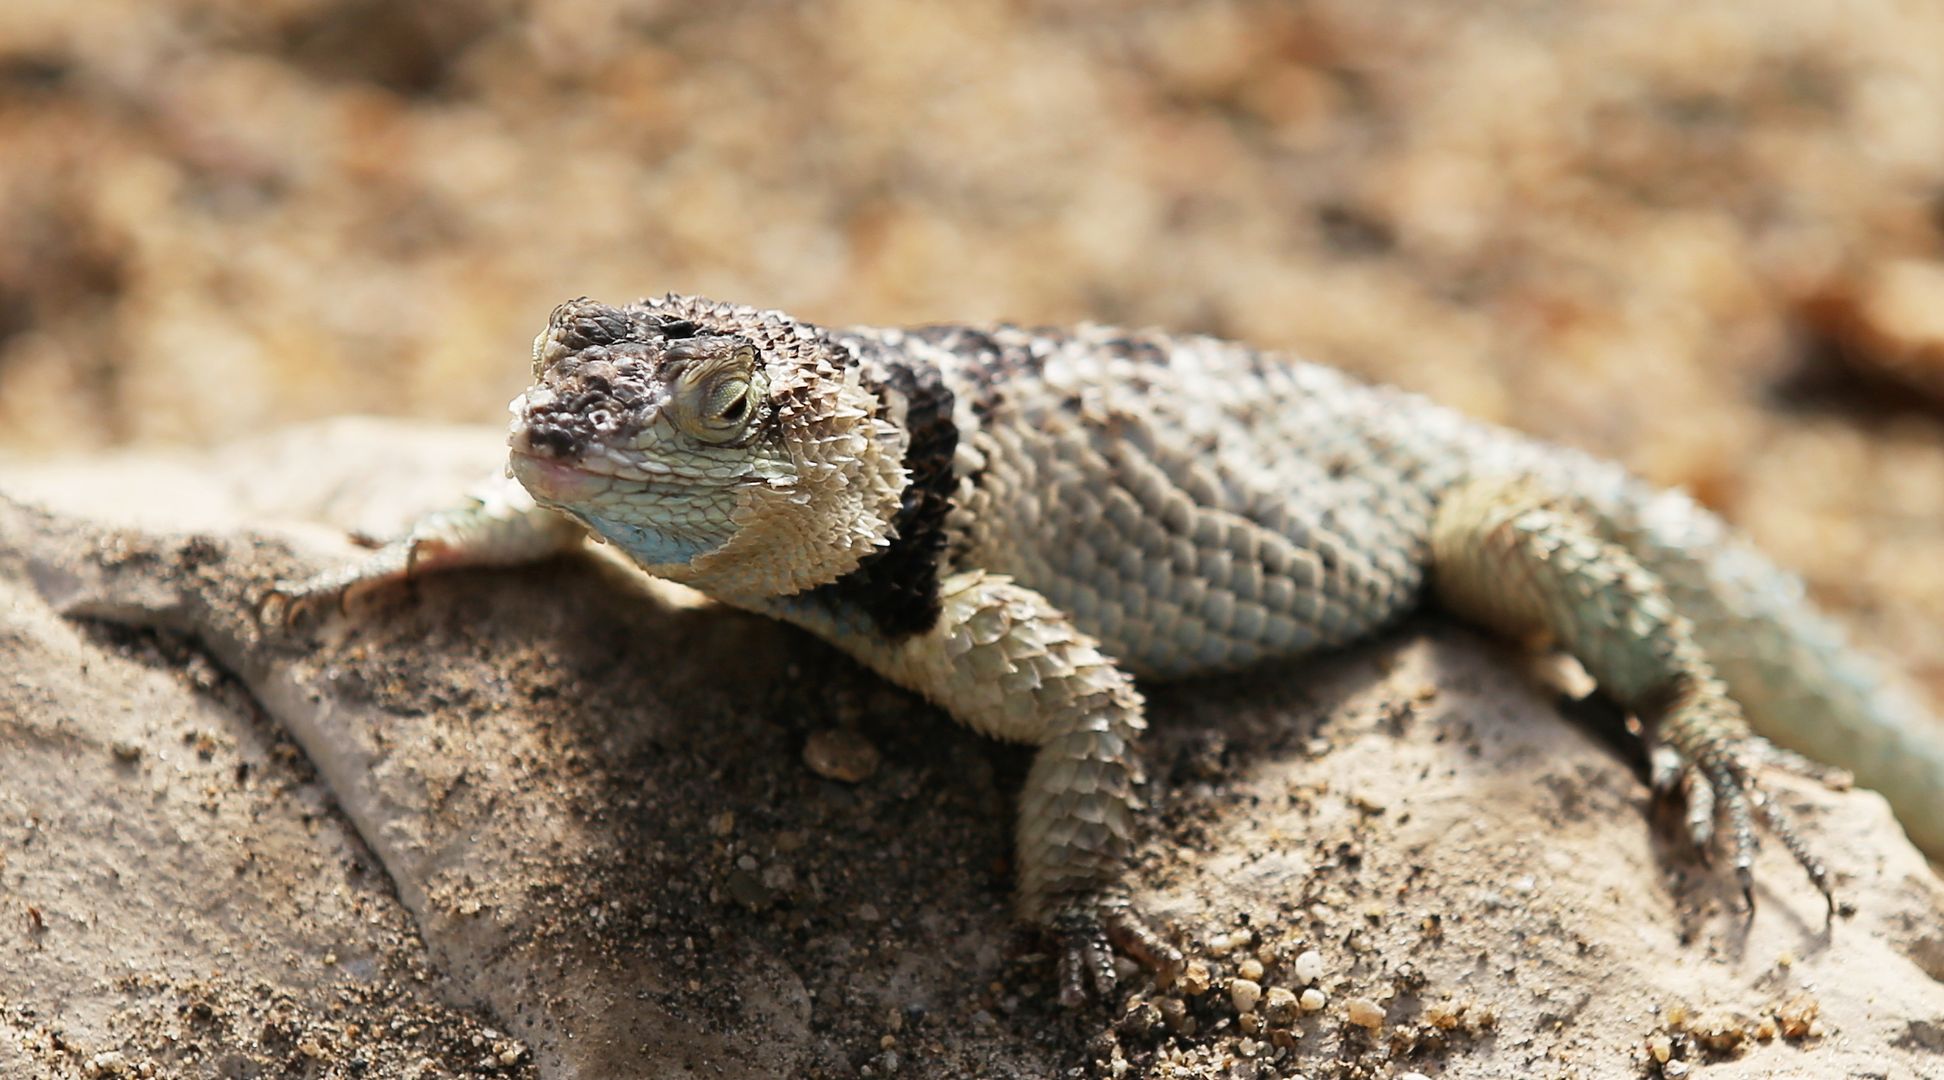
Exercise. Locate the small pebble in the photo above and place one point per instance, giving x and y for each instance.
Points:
(1675, 1070)
(1195, 979)
(1250, 969)
(1798, 1016)
(1221, 945)
(1661, 1047)
(1364, 1013)
(1174, 1013)
(1719, 1032)
(1312, 1000)
(840, 754)
(748, 890)
(1279, 1007)
(1309, 966)
(1141, 1020)
(1244, 993)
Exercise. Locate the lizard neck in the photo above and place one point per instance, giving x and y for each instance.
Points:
(832, 509)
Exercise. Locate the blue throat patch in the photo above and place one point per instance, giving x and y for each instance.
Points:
(646, 546)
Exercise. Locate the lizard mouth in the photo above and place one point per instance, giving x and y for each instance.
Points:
(558, 461)
(555, 481)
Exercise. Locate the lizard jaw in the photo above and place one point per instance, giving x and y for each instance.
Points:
(555, 482)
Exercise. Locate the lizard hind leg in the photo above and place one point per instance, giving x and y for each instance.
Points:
(1513, 557)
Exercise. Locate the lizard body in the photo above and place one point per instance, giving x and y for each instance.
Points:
(1015, 523)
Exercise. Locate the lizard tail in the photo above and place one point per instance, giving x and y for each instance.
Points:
(1798, 679)
(1806, 688)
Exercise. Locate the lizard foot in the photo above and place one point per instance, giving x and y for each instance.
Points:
(501, 525)
(288, 602)
(1719, 785)
(1087, 934)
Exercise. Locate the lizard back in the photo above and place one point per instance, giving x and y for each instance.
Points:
(1195, 505)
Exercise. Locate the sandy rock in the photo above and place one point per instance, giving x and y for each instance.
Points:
(500, 793)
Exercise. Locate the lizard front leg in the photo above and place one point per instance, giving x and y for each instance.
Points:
(1512, 556)
(1005, 662)
(500, 525)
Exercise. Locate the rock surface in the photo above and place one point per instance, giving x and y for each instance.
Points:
(558, 822)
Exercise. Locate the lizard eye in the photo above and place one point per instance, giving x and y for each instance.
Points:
(715, 400)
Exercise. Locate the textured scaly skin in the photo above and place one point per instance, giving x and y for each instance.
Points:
(1015, 522)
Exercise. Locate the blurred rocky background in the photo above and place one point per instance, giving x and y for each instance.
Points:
(1707, 238)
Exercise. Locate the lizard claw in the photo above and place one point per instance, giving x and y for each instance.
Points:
(284, 603)
(1088, 934)
(1722, 792)
(287, 602)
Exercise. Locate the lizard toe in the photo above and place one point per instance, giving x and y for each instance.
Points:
(1140, 940)
(1086, 959)
(1728, 806)
(1089, 932)
(1781, 824)
(285, 604)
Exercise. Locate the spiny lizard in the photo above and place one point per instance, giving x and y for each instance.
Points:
(1018, 523)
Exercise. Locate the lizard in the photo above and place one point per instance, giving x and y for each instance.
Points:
(1019, 523)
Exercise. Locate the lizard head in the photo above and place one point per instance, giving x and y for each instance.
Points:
(733, 449)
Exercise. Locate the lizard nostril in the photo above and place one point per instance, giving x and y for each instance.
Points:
(551, 440)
